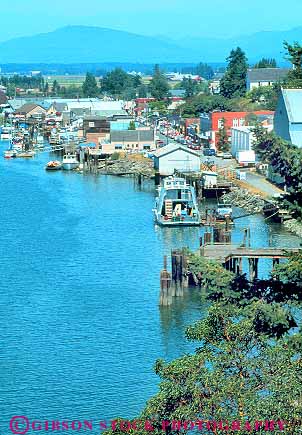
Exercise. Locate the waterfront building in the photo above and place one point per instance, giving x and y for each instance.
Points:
(31, 110)
(129, 141)
(210, 123)
(176, 157)
(95, 128)
(288, 117)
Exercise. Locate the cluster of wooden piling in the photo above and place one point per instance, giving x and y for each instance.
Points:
(173, 284)
(217, 233)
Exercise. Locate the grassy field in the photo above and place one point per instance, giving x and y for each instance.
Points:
(66, 80)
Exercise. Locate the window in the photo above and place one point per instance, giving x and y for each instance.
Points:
(146, 147)
(118, 147)
(91, 124)
(220, 123)
(235, 122)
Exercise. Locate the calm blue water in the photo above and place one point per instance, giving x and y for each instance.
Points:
(80, 326)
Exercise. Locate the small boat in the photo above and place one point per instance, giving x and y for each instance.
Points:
(26, 154)
(223, 210)
(54, 165)
(39, 140)
(10, 154)
(176, 204)
(70, 162)
(6, 133)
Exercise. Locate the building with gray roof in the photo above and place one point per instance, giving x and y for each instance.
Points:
(257, 77)
(288, 116)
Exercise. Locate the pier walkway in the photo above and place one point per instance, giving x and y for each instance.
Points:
(231, 256)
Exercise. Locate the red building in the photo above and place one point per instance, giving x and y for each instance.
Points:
(210, 123)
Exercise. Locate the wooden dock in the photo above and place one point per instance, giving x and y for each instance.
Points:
(231, 256)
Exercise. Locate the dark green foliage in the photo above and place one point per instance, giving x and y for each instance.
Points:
(205, 71)
(205, 103)
(120, 84)
(223, 143)
(285, 159)
(132, 126)
(233, 83)
(159, 86)
(266, 96)
(23, 82)
(294, 55)
(90, 86)
(115, 156)
(266, 63)
(190, 86)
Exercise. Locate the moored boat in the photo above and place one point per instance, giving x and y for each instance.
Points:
(70, 162)
(54, 165)
(25, 154)
(224, 210)
(176, 204)
(9, 154)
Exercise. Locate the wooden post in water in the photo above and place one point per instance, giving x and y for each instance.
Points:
(165, 298)
(177, 273)
(253, 267)
(207, 238)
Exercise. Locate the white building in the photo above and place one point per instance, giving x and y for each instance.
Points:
(257, 77)
(242, 144)
(242, 139)
(176, 157)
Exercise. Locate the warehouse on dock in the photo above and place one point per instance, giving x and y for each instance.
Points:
(176, 157)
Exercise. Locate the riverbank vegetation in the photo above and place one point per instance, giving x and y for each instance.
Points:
(247, 366)
(285, 159)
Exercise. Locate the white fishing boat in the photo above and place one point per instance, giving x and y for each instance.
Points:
(223, 210)
(9, 154)
(70, 162)
(176, 204)
(6, 133)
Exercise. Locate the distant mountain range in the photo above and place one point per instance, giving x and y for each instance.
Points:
(81, 44)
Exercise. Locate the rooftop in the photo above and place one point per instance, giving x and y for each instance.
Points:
(132, 135)
(171, 147)
(293, 104)
(266, 74)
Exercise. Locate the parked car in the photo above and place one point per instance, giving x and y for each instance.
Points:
(219, 154)
(209, 152)
(227, 156)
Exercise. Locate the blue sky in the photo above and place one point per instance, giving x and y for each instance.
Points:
(173, 18)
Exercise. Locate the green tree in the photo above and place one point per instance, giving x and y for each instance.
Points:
(265, 96)
(266, 63)
(223, 143)
(205, 71)
(116, 82)
(55, 87)
(251, 119)
(159, 86)
(294, 55)
(132, 126)
(90, 86)
(285, 159)
(189, 86)
(142, 91)
(233, 83)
